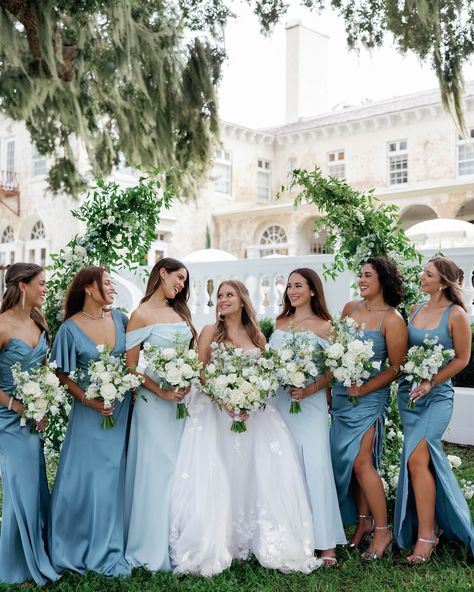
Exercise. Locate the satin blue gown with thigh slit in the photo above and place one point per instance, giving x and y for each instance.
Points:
(310, 432)
(87, 509)
(155, 436)
(349, 425)
(23, 537)
(428, 421)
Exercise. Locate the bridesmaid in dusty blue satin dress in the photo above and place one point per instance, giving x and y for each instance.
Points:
(305, 311)
(357, 430)
(23, 550)
(428, 494)
(87, 510)
(155, 432)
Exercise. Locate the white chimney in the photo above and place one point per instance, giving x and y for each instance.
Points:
(306, 72)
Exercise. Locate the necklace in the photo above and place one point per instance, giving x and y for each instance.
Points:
(374, 309)
(101, 316)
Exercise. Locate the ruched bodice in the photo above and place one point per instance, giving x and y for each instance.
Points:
(17, 350)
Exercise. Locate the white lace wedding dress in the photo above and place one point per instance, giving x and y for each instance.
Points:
(236, 495)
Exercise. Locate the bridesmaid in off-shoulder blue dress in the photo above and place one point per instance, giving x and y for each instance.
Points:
(155, 433)
(428, 494)
(87, 510)
(23, 549)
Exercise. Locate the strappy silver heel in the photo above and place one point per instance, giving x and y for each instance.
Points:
(417, 559)
(371, 555)
(366, 537)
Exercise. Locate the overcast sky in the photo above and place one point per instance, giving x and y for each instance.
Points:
(252, 91)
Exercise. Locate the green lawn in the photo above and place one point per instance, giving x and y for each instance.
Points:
(451, 570)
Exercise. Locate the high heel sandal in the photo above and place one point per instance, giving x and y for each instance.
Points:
(417, 559)
(371, 555)
(366, 537)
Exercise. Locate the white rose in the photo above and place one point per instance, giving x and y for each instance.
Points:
(340, 374)
(51, 379)
(335, 350)
(173, 375)
(191, 354)
(468, 493)
(187, 371)
(356, 347)
(32, 389)
(108, 391)
(221, 381)
(286, 354)
(409, 367)
(454, 461)
(211, 369)
(297, 379)
(105, 377)
(168, 353)
(41, 405)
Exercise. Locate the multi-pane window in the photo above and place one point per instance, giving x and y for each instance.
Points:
(337, 164)
(8, 163)
(38, 232)
(291, 168)
(8, 236)
(273, 241)
(264, 179)
(222, 172)
(398, 162)
(466, 155)
(39, 163)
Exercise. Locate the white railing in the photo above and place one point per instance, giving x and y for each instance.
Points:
(266, 279)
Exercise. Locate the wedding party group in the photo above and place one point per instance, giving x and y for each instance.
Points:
(185, 451)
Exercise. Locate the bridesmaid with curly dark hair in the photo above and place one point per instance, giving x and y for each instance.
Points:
(357, 430)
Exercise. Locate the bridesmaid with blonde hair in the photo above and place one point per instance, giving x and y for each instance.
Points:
(429, 501)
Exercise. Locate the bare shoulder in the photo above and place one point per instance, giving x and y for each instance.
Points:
(4, 329)
(349, 307)
(137, 319)
(282, 324)
(458, 315)
(413, 308)
(207, 333)
(394, 320)
(262, 339)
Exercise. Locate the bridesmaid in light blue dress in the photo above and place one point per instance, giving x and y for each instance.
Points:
(87, 510)
(428, 494)
(23, 340)
(305, 311)
(357, 430)
(155, 432)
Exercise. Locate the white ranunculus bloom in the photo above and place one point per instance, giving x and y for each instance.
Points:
(173, 375)
(51, 379)
(454, 461)
(356, 347)
(105, 377)
(41, 405)
(168, 353)
(108, 391)
(32, 389)
(335, 351)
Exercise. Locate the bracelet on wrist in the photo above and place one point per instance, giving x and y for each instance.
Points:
(10, 403)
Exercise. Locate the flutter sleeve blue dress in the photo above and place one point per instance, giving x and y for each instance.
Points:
(310, 432)
(87, 510)
(23, 554)
(155, 436)
(349, 425)
(428, 420)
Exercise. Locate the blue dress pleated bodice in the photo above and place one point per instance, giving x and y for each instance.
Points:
(23, 551)
(87, 508)
(155, 435)
(310, 432)
(351, 422)
(429, 420)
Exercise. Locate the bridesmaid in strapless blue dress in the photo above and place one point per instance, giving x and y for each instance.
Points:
(310, 431)
(87, 510)
(155, 435)
(427, 422)
(25, 490)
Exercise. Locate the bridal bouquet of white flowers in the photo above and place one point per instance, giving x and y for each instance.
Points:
(109, 381)
(40, 392)
(239, 380)
(348, 356)
(422, 362)
(298, 363)
(174, 368)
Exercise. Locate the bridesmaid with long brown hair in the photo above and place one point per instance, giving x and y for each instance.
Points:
(155, 432)
(23, 340)
(87, 508)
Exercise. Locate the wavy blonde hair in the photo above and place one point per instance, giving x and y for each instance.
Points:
(450, 275)
(249, 316)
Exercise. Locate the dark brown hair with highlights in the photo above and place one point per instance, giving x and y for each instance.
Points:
(449, 274)
(76, 293)
(318, 300)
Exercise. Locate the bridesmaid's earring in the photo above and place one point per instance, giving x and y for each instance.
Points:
(88, 293)
(312, 293)
(23, 297)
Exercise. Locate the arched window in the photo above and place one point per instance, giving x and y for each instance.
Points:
(274, 241)
(8, 236)
(38, 232)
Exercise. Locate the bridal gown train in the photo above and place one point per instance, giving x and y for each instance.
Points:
(235, 495)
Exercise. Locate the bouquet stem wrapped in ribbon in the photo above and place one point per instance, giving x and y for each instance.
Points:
(422, 362)
(174, 367)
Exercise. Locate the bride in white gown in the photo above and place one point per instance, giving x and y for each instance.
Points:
(238, 494)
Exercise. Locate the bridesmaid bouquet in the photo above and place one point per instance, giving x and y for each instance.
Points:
(175, 367)
(297, 365)
(422, 362)
(40, 391)
(239, 381)
(348, 356)
(109, 381)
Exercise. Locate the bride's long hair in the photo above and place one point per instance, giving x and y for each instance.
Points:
(248, 316)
